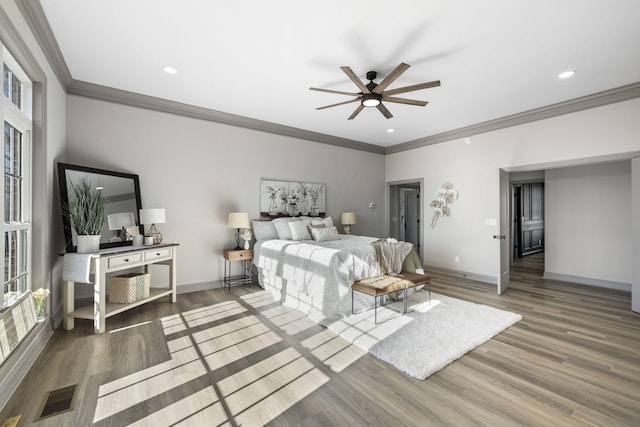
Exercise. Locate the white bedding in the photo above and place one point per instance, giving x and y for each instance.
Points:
(316, 277)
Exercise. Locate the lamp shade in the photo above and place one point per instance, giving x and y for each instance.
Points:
(348, 218)
(238, 220)
(152, 216)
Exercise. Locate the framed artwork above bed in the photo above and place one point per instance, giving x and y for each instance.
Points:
(289, 198)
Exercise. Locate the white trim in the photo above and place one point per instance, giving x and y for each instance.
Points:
(620, 286)
(473, 276)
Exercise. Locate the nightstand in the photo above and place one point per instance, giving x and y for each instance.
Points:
(244, 256)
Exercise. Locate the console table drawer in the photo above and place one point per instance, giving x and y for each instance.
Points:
(157, 254)
(118, 261)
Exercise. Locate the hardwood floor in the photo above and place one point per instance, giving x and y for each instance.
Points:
(235, 358)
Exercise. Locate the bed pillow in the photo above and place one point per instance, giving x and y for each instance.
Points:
(264, 230)
(282, 227)
(300, 230)
(325, 234)
(314, 226)
(327, 221)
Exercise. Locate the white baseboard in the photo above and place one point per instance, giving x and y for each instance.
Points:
(474, 276)
(609, 284)
(202, 286)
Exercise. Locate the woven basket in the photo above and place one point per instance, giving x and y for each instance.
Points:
(128, 288)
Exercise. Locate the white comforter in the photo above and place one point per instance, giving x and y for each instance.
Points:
(315, 276)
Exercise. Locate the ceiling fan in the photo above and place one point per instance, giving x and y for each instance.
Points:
(373, 94)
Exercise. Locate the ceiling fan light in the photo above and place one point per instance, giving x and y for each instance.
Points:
(370, 100)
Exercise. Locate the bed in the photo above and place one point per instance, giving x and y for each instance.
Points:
(305, 264)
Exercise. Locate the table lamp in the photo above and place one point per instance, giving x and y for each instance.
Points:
(153, 217)
(347, 219)
(238, 220)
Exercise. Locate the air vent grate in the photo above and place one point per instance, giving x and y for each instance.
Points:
(58, 401)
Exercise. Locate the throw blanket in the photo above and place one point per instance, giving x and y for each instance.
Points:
(392, 255)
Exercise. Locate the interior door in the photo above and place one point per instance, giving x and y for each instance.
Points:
(412, 217)
(503, 237)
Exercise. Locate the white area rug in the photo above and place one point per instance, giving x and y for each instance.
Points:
(429, 336)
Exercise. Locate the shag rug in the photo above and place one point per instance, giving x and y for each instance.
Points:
(429, 336)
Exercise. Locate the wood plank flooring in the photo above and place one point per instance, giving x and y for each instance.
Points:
(235, 358)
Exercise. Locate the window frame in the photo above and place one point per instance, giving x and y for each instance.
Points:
(20, 120)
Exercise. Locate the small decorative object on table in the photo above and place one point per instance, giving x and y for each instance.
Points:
(40, 296)
(247, 235)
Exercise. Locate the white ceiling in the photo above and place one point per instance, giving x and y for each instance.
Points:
(257, 58)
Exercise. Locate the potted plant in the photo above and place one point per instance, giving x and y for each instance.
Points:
(86, 215)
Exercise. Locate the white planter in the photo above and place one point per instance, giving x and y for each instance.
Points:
(88, 244)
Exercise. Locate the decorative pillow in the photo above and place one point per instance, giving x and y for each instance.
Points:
(325, 234)
(282, 227)
(327, 221)
(264, 230)
(300, 230)
(314, 226)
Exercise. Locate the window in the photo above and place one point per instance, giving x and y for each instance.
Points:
(15, 110)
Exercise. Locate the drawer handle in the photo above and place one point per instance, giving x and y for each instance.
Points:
(157, 253)
(126, 260)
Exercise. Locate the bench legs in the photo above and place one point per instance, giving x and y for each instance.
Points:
(375, 303)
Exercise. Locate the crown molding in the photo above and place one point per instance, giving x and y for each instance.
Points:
(105, 93)
(34, 15)
(599, 99)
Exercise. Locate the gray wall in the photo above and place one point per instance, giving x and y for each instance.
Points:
(591, 136)
(199, 171)
(587, 222)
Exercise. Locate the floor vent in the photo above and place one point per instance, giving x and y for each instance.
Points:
(58, 401)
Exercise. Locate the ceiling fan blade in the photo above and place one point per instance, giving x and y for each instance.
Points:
(334, 91)
(391, 77)
(404, 101)
(355, 113)
(384, 111)
(411, 88)
(339, 103)
(349, 72)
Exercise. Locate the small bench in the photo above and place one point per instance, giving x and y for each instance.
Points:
(384, 285)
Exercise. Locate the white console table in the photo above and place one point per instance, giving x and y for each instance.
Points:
(113, 260)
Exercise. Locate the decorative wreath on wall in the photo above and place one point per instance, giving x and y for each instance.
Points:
(446, 196)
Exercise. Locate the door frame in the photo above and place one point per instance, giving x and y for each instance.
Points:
(635, 282)
(392, 204)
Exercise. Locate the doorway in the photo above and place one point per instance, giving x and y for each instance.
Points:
(405, 212)
(527, 223)
(528, 219)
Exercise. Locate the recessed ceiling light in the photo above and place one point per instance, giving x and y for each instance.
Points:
(390, 130)
(467, 140)
(170, 70)
(566, 74)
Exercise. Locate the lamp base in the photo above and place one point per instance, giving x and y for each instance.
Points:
(237, 237)
(153, 232)
(347, 229)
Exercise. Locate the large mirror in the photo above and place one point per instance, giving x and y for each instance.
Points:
(122, 194)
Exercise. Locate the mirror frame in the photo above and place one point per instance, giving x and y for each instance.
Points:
(64, 199)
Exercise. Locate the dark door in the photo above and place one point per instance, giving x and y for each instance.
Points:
(531, 219)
